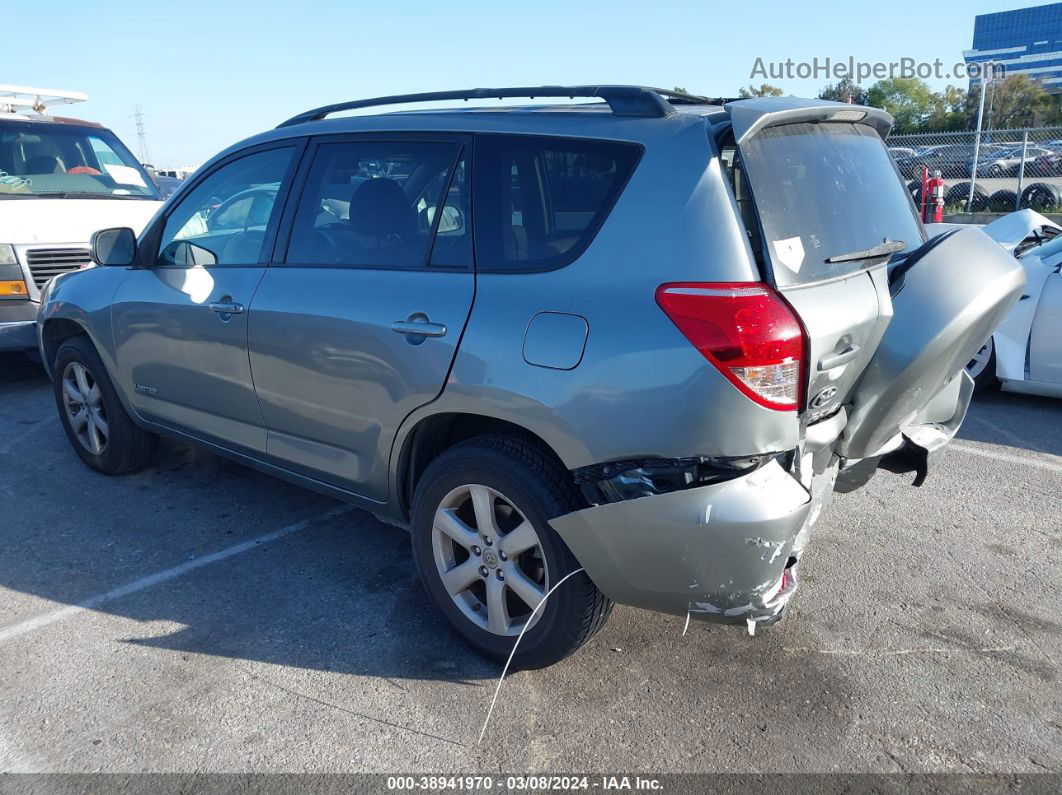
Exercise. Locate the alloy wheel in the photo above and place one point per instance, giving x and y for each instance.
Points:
(489, 559)
(85, 411)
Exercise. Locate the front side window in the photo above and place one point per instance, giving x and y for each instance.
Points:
(374, 204)
(68, 161)
(540, 201)
(223, 220)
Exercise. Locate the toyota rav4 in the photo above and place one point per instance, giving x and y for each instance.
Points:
(616, 351)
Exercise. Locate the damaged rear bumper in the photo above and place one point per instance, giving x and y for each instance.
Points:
(723, 552)
(921, 443)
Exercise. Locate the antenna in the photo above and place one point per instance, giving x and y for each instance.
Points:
(141, 135)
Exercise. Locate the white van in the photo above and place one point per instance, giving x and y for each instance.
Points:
(61, 179)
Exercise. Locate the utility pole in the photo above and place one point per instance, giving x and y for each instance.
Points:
(977, 139)
(141, 135)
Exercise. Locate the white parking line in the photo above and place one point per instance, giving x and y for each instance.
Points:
(12, 760)
(1029, 461)
(51, 617)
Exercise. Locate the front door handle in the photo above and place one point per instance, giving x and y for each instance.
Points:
(420, 328)
(227, 308)
(837, 359)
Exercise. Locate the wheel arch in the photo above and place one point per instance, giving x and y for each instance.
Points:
(434, 434)
(55, 332)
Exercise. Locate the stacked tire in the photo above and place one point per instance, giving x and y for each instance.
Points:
(1042, 197)
(959, 193)
(1002, 201)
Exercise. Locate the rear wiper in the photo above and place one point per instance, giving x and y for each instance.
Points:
(886, 248)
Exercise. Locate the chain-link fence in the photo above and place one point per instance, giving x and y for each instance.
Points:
(1007, 169)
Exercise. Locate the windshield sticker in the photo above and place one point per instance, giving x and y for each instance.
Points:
(125, 175)
(9, 183)
(790, 252)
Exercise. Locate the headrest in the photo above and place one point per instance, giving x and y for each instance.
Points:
(379, 208)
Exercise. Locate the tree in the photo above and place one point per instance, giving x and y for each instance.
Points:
(949, 111)
(844, 89)
(1011, 102)
(764, 90)
(907, 99)
(1052, 111)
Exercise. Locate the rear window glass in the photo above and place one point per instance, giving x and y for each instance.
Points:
(540, 201)
(824, 190)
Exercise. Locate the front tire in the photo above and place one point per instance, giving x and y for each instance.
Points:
(92, 415)
(487, 556)
(982, 367)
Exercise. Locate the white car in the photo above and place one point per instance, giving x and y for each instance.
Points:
(61, 179)
(1025, 352)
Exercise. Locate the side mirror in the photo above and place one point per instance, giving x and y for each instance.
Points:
(115, 246)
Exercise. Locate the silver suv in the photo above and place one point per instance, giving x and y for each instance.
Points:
(623, 349)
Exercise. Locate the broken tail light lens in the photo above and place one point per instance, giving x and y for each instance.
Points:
(748, 331)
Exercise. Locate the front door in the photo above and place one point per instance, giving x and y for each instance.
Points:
(1045, 341)
(180, 317)
(358, 322)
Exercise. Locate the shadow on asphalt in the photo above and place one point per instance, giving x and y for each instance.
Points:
(19, 367)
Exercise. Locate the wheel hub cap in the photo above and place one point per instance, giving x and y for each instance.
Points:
(489, 559)
(83, 404)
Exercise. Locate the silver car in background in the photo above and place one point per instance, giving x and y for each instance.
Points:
(645, 337)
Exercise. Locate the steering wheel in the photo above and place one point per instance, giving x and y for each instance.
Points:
(329, 244)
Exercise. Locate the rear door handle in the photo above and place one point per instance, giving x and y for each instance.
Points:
(837, 359)
(227, 308)
(420, 328)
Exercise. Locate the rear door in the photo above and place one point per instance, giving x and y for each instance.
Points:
(948, 298)
(817, 189)
(891, 319)
(358, 316)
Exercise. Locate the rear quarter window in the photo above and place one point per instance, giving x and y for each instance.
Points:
(539, 201)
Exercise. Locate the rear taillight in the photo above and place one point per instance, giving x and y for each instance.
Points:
(748, 331)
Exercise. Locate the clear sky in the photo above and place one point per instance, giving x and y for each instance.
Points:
(210, 73)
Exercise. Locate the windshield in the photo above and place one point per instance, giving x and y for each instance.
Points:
(68, 161)
(823, 190)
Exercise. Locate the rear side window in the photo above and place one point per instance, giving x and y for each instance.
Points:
(823, 191)
(539, 201)
(374, 204)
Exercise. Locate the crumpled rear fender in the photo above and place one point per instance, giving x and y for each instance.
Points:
(716, 552)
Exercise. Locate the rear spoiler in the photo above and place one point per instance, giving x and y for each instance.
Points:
(749, 116)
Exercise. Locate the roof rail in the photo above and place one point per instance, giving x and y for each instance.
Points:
(623, 100)
(12, 97)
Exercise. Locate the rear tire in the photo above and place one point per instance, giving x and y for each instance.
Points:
(93, 417)
(522, 489)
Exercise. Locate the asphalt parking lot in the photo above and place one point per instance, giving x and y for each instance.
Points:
(142, 628)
